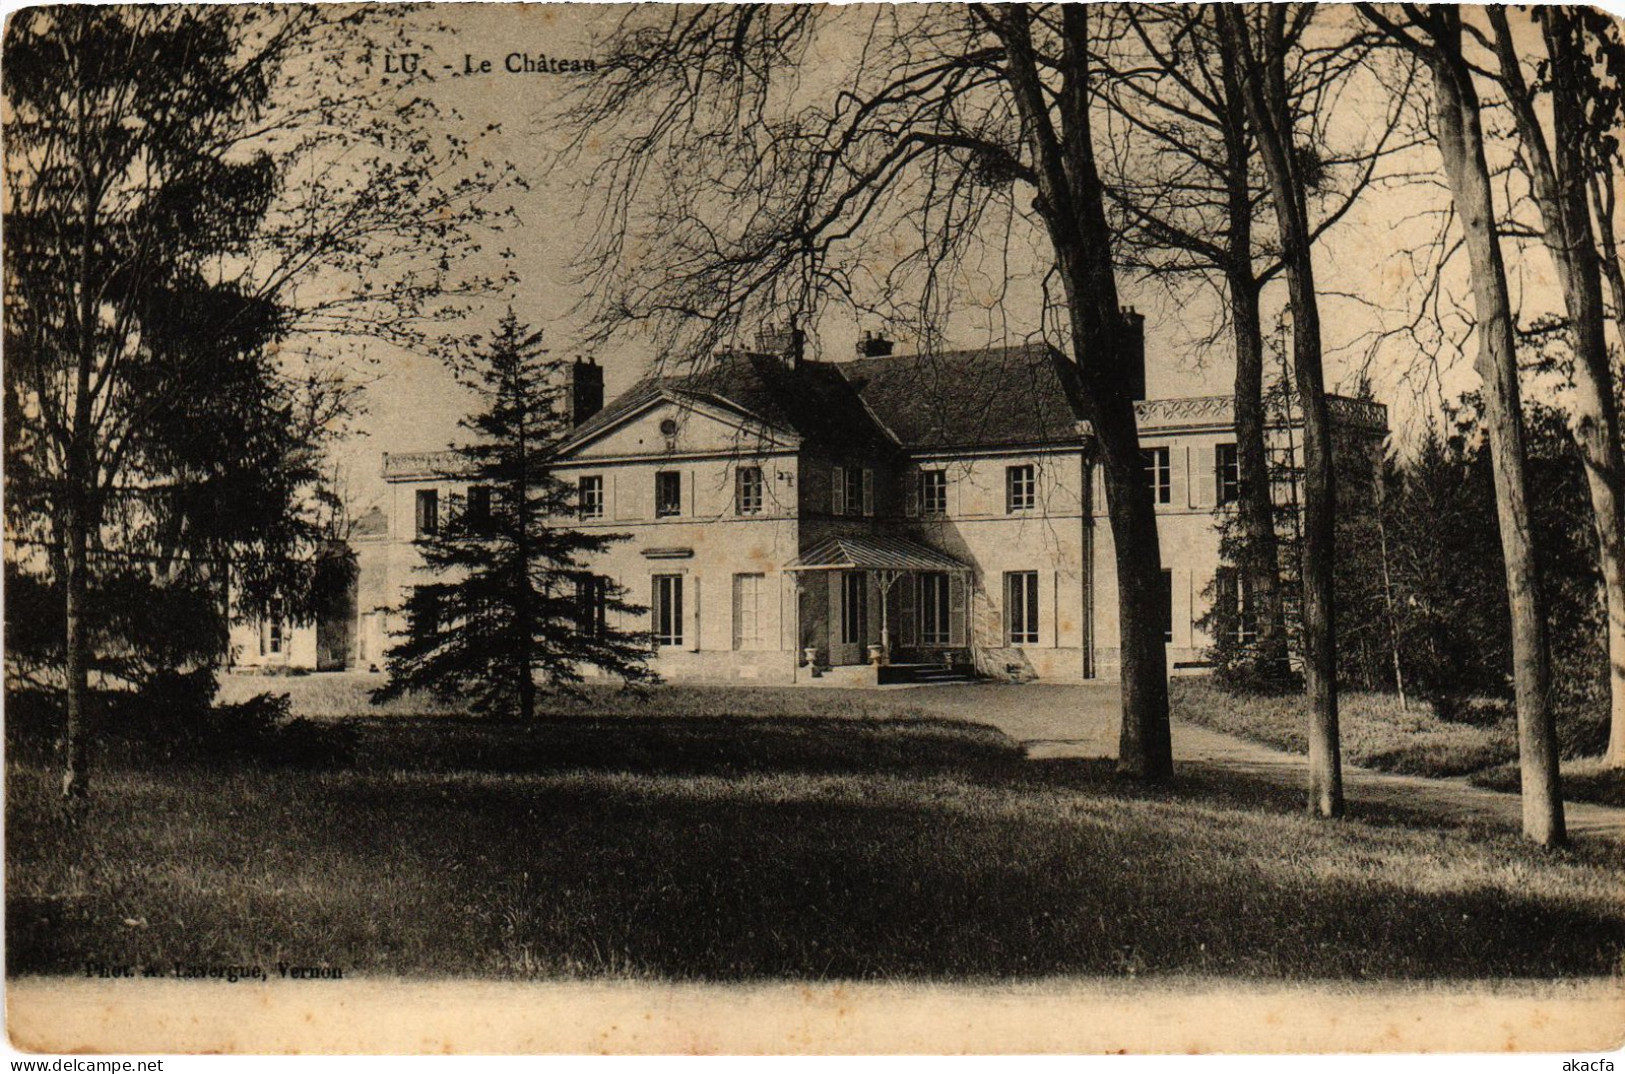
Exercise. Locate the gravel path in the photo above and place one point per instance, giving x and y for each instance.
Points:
(1061, 721)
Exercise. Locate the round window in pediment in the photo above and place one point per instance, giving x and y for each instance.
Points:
(668, 427)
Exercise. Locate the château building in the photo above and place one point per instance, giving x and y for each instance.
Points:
(792, 520)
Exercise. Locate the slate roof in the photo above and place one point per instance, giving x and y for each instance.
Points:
(813, 401)
(993, 397)
(872, 552)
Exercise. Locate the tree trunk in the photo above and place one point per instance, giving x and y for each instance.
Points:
(76, 773)
(1261, 556)
(1603, 199)
(1461, 142)
(1268, 105)
(1144, 747)
(1261, 563)
(1071, 201)
(1557, 177)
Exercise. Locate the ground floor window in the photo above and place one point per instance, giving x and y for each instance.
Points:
(748, 611)
(1021, 606)
(666, 609)
(1167, 606)
(854, 608)
(1237, 605)
(592, 600)
(933, 606)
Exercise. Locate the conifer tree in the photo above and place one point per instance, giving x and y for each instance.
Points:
(512, 607)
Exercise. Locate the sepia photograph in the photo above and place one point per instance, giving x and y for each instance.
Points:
(814, 529)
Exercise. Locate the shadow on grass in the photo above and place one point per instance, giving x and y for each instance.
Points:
(691, 745)
(725, 849)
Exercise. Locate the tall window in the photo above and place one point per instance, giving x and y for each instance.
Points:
(933, 608)
(1159, 474)
(854, 608)
(852, 491)
(1020, 488)
(1168, 606)
(477, 511)
(748, 490)
(1237, 604)
(666, 609)
(748, 611)
(1021, 606)
(592, 602)
(1227, 473)
(668, 493)
(428, 512)
(853, 476)
(590, 496)
(934, 493)
(272, 633)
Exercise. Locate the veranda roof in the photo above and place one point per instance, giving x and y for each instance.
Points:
(868, 553)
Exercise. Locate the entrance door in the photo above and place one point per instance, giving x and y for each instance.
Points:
(849, 626)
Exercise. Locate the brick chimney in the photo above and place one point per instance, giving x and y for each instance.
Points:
(873, 346)
(584, 389)
(1134, 341)
(783, 341)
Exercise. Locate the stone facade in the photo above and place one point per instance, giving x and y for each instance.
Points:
(725, 483)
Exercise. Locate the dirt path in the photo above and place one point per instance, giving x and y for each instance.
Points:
(1054, 721)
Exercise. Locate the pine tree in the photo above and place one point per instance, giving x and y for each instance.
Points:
(512, 601)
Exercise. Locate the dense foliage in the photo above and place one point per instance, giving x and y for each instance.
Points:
(512, 600)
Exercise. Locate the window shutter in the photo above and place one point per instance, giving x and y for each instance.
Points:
(957, 601)
(1178, 465)
(911, 502)
(838, 492)
(868, 492)
(738, 617)
(1203, 476)
(694, 602)
(1097, 481)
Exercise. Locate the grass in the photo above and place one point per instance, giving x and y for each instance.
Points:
(345, 695)
(1377, 733)
(835, 838)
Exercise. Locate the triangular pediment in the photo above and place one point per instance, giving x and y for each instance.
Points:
(677, 422)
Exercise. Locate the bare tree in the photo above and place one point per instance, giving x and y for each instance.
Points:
(1560, 176)
(1262, 62)
(1434, 33)
(740, 180)
(1190, 199)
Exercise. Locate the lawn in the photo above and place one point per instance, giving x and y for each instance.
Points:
(683, 839)
(1377, 733)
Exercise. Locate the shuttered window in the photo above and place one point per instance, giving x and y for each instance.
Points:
(935, 622)
(666, 609)
(748, 611)
(1021, 606)
(1020, 488)
(590, 496)
(668, 493)
(1227, 473)
(854, 608)
(1167, 606)
(933, 493)
(1159, 474)
(748, 490)
(428, 512)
